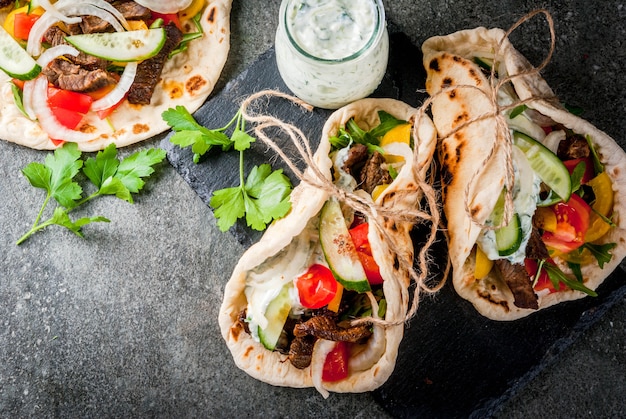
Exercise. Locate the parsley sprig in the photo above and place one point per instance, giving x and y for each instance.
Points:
(58, 177)
(260, 198)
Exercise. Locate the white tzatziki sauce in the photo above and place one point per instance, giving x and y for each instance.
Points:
(332, 52)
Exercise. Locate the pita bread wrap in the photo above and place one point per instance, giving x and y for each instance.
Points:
(187, 80)
(296, 237)
(474, 164)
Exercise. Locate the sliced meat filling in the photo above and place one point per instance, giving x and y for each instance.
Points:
(573, 147)
(324, 327)
(129, 9)
(68, 76)
(56, 36)
(519, 283)
(149, 71)
(536, 248)
(366, 168)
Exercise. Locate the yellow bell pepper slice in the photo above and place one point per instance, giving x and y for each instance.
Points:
(545, 219)
(193, 9)
(603, 190)
(379, 189)
(398, 134)
(336, 301)
(483, 264)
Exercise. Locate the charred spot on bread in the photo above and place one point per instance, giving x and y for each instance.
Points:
(194, 84)
(462, 117)
(487, 296)
(434, 65)
(211, 16)
(452, 94)
(447, 82)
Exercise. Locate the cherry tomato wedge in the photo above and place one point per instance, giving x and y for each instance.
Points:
(23, 23)
(572, 222)
(68, 100)
(316, 287)
(167, 18)
(336, 363)
(364, 250)
(543, 282)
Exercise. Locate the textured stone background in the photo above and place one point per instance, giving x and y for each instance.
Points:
(124, 323)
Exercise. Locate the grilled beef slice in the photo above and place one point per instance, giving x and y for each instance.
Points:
(519, 283)
(301, 351)
(129, 9)
(68, 76)
(324, 327)
(573, 147)
(56, 36)
(536, 248)
(365, 168)
(149, 71)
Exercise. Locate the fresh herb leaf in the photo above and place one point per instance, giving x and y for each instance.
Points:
(574, 110)
(189, 133)
(105, 172)
(18, 98)
(518, 110)
(602, 252)
(577, 176)
(557, 276)
(597, 164)
(387, 122)
(262, 197)
(575, 267)
(228, 205)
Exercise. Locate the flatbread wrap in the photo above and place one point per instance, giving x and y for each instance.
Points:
(328, 264)
(563, 178)
(62, 82)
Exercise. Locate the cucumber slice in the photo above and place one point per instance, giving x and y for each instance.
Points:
(121, 46)
(486, 63)
(276, 313)
(509, 237)
(339, 250)
(546, 164)
(14, 60)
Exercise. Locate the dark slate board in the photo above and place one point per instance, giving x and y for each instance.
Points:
(452, 361)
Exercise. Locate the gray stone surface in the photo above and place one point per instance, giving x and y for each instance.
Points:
(124, 322)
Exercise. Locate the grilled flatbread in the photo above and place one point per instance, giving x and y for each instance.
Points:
(372, 361)
(187, 80)
(464, 149)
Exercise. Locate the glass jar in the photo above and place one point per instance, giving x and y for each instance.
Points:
(332, 52)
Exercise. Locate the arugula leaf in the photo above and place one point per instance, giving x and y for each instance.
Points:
(597, 164)
(577, 176)
(18, 98)
(387, 122)
(105, 172)
(602, 252)
(557, 276)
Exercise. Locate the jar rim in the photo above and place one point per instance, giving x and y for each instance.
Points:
(377, 33)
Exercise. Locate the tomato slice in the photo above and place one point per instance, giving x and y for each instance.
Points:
(572, 223)
(67, 118)
(589, 171)
(543, 282)
(316, 287)
(105, 113)
(364, 250)
(23, 23)
(167, 18)
(336, 363)
(68, 100)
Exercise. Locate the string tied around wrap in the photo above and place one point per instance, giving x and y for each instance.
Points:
(377, 215)
(502, 136)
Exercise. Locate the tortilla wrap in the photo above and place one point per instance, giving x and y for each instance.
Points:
(187, 80)
(449, 62)
(307, 201)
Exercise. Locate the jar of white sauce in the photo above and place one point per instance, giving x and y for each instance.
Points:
(332, 52)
